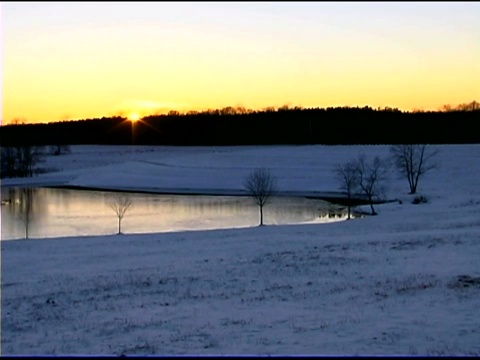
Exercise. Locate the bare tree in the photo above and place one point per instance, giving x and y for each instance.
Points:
(261, 185)
(348, 176)
(413, 161)
(371, 178)
(120, 205)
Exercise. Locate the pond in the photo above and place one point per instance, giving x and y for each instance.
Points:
(56, 212)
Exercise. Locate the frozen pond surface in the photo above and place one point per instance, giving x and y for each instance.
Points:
(54, 212)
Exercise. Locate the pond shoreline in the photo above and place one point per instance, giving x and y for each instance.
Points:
(336, 198)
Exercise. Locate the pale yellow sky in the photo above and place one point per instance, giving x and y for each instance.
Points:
(80, 60)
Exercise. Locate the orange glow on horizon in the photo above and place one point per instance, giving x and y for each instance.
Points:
(75, 65)
(137, 116)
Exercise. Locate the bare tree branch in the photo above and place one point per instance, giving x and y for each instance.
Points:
(261, 185)
(371, 178)
(120, 205)
(413, 161)
(348, 177)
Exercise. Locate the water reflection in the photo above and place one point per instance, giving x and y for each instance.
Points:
(49, 212)
(21, 204)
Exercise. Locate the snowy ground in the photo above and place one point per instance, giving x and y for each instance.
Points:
(405, 282)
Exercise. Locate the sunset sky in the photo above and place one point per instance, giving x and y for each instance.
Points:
(77, 60)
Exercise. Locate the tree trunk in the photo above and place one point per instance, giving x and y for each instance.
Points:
(413, 189)
(370, 200)
(261, 215)
(349, 199)
(119, 229)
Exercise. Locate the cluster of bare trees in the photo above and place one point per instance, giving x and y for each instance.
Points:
(364, 178)
(361, 178)
(20, 161)
(367, 178)
(233, 110)
(471, 106)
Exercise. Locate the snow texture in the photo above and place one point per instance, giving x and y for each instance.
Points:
(404, 282)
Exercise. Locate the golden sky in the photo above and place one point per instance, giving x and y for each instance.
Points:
(77, 60)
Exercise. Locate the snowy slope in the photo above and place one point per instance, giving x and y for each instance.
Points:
(384, 285)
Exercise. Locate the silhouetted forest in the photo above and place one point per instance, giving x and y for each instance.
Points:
(237, 126)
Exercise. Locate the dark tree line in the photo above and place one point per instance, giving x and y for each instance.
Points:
(233, 126)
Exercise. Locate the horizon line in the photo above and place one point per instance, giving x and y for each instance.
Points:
(242, 110)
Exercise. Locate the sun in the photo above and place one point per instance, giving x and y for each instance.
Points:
(133, 117)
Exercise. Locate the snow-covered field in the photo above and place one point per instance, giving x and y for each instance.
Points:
(405, 282)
